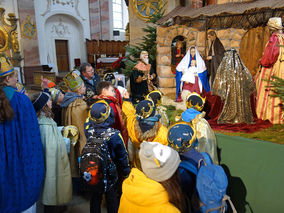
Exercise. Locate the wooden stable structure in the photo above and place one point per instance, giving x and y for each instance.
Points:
(239, 25)
(98, 48)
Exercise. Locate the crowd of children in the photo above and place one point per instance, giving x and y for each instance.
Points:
(107, 146)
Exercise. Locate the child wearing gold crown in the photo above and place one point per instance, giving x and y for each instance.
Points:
(157, 97)
(57, 97)
(142, 125)
(205, 135)
(99, 125)
(57, 187)
(21, 158)
(75, 112)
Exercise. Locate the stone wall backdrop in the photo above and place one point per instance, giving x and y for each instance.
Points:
(231, 38)
(99, 19)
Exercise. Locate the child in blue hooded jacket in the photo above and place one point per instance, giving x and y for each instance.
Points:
(99, 125)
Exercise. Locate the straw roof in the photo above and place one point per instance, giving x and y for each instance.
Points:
(231, 15)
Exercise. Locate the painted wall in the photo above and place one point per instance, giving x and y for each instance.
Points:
(59, 20)
(29, 45)
(228, 1)
(100, 19)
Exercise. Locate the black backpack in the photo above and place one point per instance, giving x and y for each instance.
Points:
(97, 169)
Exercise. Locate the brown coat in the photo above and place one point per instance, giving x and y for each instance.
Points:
(217, 57)
(76, 114)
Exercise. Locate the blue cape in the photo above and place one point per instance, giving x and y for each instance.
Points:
(21, 157)
(189, 114)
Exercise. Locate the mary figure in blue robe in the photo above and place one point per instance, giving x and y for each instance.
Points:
(191, 73)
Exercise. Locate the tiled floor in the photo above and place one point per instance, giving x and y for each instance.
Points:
(79, 204)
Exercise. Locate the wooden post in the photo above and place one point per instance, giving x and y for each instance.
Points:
(206, 41)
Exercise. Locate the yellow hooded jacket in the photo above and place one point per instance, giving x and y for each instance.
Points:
(141, 194)
(159, 136)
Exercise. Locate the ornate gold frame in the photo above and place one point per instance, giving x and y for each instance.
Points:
(8, 30)
(189, 104)
(28, 21)
(6, 38)
(145, 18)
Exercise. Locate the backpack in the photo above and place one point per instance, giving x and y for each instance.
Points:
(211, 184)
(96, 167)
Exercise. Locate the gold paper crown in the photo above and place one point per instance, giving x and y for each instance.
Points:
(72, 133)
(6, 66)
(159, 102)
(196, 106)
(145, 114)
(183, 146)
(104, 115)
(73, 81)
(112, 81)
(54, 93)
(63, 87)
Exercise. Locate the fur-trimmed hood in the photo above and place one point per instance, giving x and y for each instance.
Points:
(148, 135)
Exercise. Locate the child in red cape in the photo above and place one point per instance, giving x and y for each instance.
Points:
(106, 91)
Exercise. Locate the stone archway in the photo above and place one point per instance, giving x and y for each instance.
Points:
(165, 36)
(63, 28)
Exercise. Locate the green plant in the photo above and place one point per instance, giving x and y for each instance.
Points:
(277, 86)
(148, 43)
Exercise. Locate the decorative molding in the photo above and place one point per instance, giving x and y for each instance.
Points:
(47, 8)
(60, 29)
(64, 2)
(73, 3)
(77, 10)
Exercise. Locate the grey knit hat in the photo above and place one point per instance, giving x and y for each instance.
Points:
(158, 162)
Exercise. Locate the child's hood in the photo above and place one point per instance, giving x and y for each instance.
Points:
(69, 98)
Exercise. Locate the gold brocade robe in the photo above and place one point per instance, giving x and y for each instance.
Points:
(76, 114)
(234, 84)
(160, 110)
(206, 138)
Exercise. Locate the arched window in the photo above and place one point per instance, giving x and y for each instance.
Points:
(117, 12)
(119, 20)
